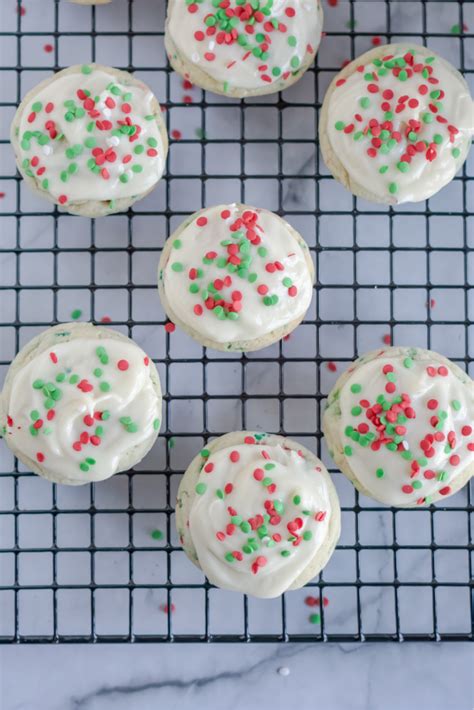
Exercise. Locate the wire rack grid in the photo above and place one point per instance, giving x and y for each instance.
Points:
(80, 565)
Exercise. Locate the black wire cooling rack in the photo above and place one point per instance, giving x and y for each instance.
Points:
(84, 565)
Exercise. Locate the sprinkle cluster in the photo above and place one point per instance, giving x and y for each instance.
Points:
(385, 423)
(251, 25)
(252, 537)
(420, 138)
(242, 256)
(112, 147)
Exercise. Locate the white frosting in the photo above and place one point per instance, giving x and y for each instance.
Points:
(432, 389)
(299, 486)
(109, 375)
(274, 243)
(125, 165)
(289, 33)
(353, 105)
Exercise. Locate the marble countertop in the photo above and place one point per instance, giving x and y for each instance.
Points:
(230, 677)
(368, 676)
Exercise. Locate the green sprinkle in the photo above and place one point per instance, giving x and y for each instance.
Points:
(285, 553)
(84, 467)
(76, 313)
(356, 388)
(85, 69)
(177, 266)
(205, 453)
(383, 169)
(314, 618)
(380, 473)
(307, 535)
(104, 387)
(408, 362)
(456, 405)
(201, 488)
(339, 125)
(348, 450)
(393, 188)
(297, 500)
(364, 102)
(157, 535)
(455, 152)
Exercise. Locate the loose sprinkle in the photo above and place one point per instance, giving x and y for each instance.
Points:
(76, 314)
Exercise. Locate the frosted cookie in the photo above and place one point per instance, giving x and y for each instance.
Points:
(236, 277)
(258, 513)
(80, 403)
(399, 424)
(91, 139)
(396, 124)
(243, 48)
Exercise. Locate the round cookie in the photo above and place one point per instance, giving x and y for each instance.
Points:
(80, 403)
(91, 139)
(399, 423)
(236, 277)
(243, 49)
(396, 124)
(258, 513)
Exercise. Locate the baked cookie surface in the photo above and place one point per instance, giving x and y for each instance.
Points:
(243, 49)
(80, 403)
(258, 513)
(396, 124)
(400, 424)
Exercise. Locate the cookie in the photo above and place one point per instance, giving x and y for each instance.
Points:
(400, 425)
(258, 513)
(80, 403)
(236, 277)
(396, 124)
(243, 49)
(91, 139)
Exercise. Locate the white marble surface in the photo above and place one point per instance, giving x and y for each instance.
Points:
(368, 676)
(230, 677)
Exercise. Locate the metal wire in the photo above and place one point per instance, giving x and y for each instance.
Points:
(12, 591)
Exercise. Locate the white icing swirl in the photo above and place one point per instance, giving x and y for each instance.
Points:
(401, 140)
(249, 264)
(87, 136)
(262, 49)
(80, 408)
(246, 496)
(420, 446)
